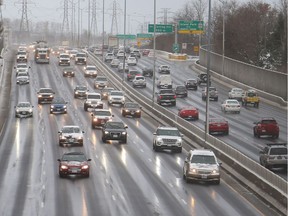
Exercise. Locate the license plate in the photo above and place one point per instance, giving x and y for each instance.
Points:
(71, 140)
(132, 113)
(204, 176)
(263, 130)
(74, 171)
(115, 136)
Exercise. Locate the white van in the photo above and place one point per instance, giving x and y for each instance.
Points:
(164, 81)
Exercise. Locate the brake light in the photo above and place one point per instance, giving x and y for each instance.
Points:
(160, 96)
(174, 96)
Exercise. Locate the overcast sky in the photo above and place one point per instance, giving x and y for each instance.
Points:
(138, 11)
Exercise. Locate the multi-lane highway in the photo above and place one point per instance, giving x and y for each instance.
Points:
(125, 179)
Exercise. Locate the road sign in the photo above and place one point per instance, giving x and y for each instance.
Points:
(190, 27)
(123, 36)
(184, 45)
(160, 28)
(144, 36)
(175, 48)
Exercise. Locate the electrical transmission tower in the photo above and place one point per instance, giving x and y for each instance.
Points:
(94, 21)
(165, 15)
(65, 23)
(114, 26)
(24, 25)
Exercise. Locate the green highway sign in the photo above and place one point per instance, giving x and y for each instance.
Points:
(123, 36)
(193, 25)
(144, 35)
(160, 28)
(175, 48)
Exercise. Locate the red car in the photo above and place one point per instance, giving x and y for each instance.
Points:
(74, 163)
(218, 125)
(189, 113)
(266, 126)
(145, 52)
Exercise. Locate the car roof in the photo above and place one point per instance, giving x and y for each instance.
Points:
(74, 126)
(74, 153)
(202, 152)
(167, 128)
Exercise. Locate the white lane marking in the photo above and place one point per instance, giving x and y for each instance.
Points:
(184, 201)
(149, 159)
(113, 197)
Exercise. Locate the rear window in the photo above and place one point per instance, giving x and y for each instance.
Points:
(278, 151)
(96, 96)
(269, 121)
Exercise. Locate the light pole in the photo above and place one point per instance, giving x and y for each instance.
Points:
(208, 74)
(124, 45)
(154, 56)
(103, 32)
(223, 36)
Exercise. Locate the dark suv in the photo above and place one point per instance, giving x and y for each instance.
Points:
(113, 130)
(274, 155)
(132, 109)
(147, 71)
(181, 91)
(45, 95)
(202, 78)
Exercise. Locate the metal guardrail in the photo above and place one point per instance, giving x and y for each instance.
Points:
(262, 177)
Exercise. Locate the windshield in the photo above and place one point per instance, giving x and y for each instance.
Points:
(82, 88)
(115, 125)
(203, 159)
(46, 91)
(96, 96)
(81, 55)
(102, 113)
(71, 130)
(90, 68)
(278, 151)
(64, 56)
(74, 157)
(251, 94)
(131, 105)
(101, 79)
(23, 105)
(166, 132)
(117, 93)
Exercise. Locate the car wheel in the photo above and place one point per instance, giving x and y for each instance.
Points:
(61, 175)
(103, 139)
(276, 136)
(254, 132)
(139, 116)
(124, 141)
(227, 132)
(179, 150)
(87, 175)
(203, 98)
(217, 182)
(85, 108)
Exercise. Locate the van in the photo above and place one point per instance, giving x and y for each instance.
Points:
(164, 81)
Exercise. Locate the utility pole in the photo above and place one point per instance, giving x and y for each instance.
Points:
(94, 21)
(114, 26)
(24, 25)
(65, 23)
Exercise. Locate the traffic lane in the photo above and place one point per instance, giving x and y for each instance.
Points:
(165, 165)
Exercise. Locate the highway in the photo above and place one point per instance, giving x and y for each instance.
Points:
(126, 179)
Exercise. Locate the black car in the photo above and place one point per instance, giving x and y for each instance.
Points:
(68, 72)
(191, 84)
(147, 71)
(181, 91)
(45, 95)
(80, 91)
(113, 130)
(202, 78)
(132, 109)
(74, 163)
(58, 105)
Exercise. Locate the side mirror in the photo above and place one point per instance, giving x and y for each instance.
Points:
(59, 160)
(59, 132)
(219, 163)
(89, 159)
(261, 152)
(83, 131)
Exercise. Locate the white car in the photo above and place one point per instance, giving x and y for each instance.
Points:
(100, 82)
(115, 63)
(131, 61)
(139, 81)
(21, 67)
(120, 54)
(93, 101)
(22, 78)
(120, 67)
(236, 93)
(201, 165)
(231, 105)
(109, 57)
(116, 97)
(90, 71)
(98, 52)
(164, 69)
(71, 134)
(23, 110)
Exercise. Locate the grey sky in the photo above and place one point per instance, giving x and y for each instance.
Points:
(138, 12)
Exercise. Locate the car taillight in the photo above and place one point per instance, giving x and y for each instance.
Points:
(174, 96)
(161, 97)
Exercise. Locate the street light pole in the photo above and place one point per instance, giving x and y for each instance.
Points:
(103, 32)
(208, 74)
(154, 56)
(223, 36)
(124, 45)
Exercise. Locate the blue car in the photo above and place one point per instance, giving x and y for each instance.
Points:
(58, 105)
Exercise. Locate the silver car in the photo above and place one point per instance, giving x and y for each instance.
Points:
(100, 82)
(201, 165)
(22, 78)
(23, 110)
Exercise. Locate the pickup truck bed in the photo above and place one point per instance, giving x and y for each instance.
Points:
(166, 96)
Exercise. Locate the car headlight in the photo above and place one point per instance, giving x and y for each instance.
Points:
(106, 132)
(193, 170)
(64, 107)
(159, 141)
(76, 92)
(95, 119)
(85, 167)
(215, 171)
(80, 138)
(64, 167)
(30, 110)
(51, 96)
(39, 96)
(137, 111)
(124, 133)
(52, 106)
